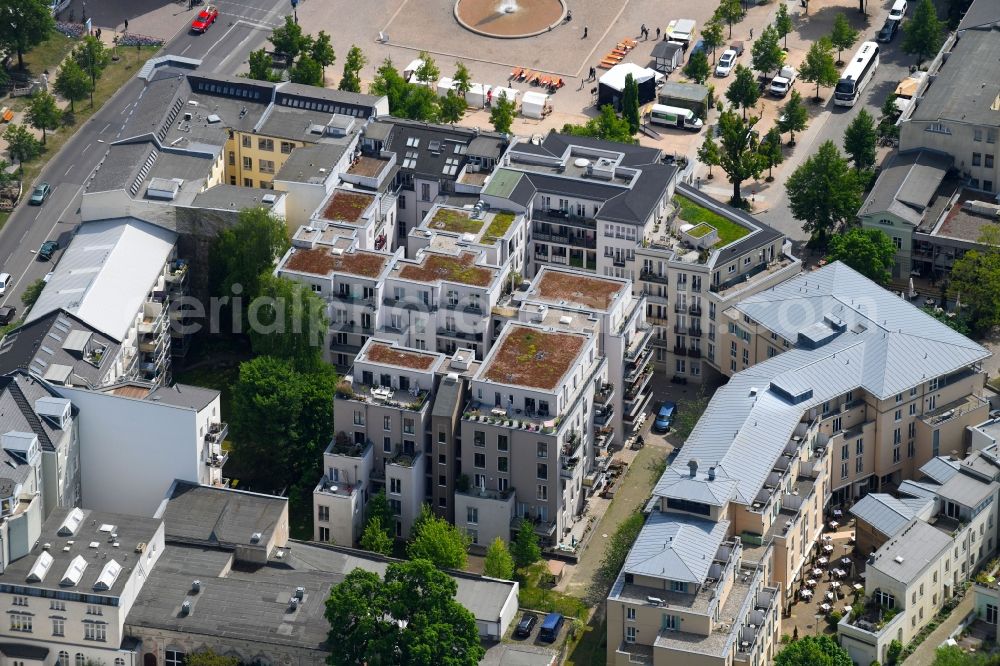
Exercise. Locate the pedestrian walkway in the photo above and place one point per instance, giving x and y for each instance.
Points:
(924, 654)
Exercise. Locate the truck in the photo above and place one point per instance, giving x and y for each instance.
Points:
(782, 83)
(673, 116)
(681, 31)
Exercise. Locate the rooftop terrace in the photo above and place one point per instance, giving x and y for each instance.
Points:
(323, 262)
(401, 358)
(347, 207)
(368, 166)
(527, 356)
(456, 220)
(577, 289)
(965, 221)
(435, 267)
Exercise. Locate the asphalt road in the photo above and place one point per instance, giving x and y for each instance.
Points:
(242, 27)
(894, 65)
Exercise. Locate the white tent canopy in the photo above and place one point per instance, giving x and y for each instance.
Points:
(476, 97)
(615, 77)
(533, 104)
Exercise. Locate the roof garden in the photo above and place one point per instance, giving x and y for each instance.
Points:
(531, 357)
(456, 221)
(347, 206)
(498, 227)
(322, 261)
(401, 358)
(702, 218)
(462, 269)
(578, 289)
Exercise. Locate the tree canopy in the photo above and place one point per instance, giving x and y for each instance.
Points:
(22, 146)
(697, 68)
(93, 59)
(25, 24)
(712, 35)
(859, 140)
(868, 251)
(462, 78)
(767, 53)
(32, 292)
(708, 152)
(813, 651)
(824, 192)
(306, 71)
(607, 125)
(375, 539)
(794, 116)
(499, 563)
(924, 33)
(406, 100)
(246, 250)
(975, 280)
(630, 99)
(843, 35)
(72, 83)
(818, 66)
(738, 154)
(287, 320)
(770, 150)
(43, 113)
(322, 52)
(262, 66)
(525, 548)
(502, 114)
(743, 92)
(730, 11)
(289, 39)
(439, 541)
(353, 64)
(409, 618)
(783, 23)
(428, 72)
(452, 107)
(209, 657)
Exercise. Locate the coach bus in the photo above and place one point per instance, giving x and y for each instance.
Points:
(857, 75)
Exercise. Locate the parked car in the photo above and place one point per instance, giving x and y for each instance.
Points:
(665, 416)
(551, 625)
(205, 19)
(898, 10)
(726, 63)
(40, 194)
(7, 313)
(888, 31)
(5, 281)
(782, 83)
(48, 276)
(526, 625)
(47, 249)
(699, 47)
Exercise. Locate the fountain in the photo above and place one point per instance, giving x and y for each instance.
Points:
(509, 19)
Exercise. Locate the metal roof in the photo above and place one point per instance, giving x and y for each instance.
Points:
(888, 514)
(106, 273)
(940, 468)
(676, 547)
(917, 489)
(965, 489)
(907, 185)
(906, 556)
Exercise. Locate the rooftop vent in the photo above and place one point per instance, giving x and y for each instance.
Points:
(300, 593)
(269, 198)
(293, 604)
(899, 559)
(214, 118)
(693, 466)
(255, 537)
(40, 568)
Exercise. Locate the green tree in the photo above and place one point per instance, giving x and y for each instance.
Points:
(630, 99)
(43, 114)
(72, 83)
(25, 24)
(923, 34)
(245, 251)
(353, 64)
(375, 539)
(462, 79)
(262, 66)
(892, 654)
(92, 58)
(378, 507)
(711, 34)
(738, 156)
(887, 128)
(708, 153)
(499, 563)
(975, 279)
(502, 114)
(452, 107)
(957, 322)
(288, 320)
(607, 125)
(617, 550)
(209, 658)
(322, 52)
(389, 82)
(409, 617)
(794, 116)
(288, 39)
(22, 146)
(843, 35)
(306, 71)
(697, 68)
(783, 23)
(525, 549)
(770, 151)
(730, 11)
(868, 251)
(767, 55)
(818, 67)
(813, 651)
(743, 92)
(428, 72)
(420, 103)
(282, 420)
(859, 141)
(439, 541)
(32, 292)
(824, 192)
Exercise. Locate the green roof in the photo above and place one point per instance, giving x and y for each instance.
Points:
(503, 183)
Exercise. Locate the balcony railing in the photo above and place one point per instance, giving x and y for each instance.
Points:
(650, 276)
(695, 310)
(461, 335)
(680, 351)
(217, 433)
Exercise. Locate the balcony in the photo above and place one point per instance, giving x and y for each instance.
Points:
(680, 351)
(351, 327)
(459, 335)
(694, 352)
(680, 308)
(216, 459)
(695, 310)
(543, 528)
(347, 299)
(650, 276)
(561, 218)
(217, 433)
(408, 304)
(603, 395)
(695, 332)
(783, 265)
(410, 399)
(639, 345)
(587, 242)
(469, 308)
(344, 346)
(603, 415)
(337, 488)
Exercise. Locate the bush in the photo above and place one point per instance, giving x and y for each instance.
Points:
(548, 601)
(833, 618)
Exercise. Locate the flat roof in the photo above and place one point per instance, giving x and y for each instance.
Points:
(532, 357)
(907, 555)
(576, 288)
(220, 517)
(380, 352)
(966, 87)
(434, 267)
(322, 261)
(347, 206)
(963, 221)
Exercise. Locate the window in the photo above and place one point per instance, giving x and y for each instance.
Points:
(387, 445)
(266, 166)
(324, 534)
(395, 486)
(669, 623)
(859, 465)
(248, 163)
(542, 492)
(630, 633)
(479, 461)
(20, 601)
(543, 450)
(913, 408)
(324, 514)
(977, 134)
(991, 614)
(989, 161)
(898, 242)
(859, 447)
(472, 515)
(386, 423)
(480, 481)
(885, 599)
(895, 454)
(359, 418)
(843, 470)
(898, 416)
(678, 586)
(479, 438)
(977, 159)
(80, 659)
(425, 192)
(502, 464)
(265, 144)
(119, 661)
(845, 451)
(501, 442)
(286, 147)
(63, 659)
(630, 614)
(542, 470)
(246, 141)
(58, 626)
(57, 605)
(174, 658)
(94, 610)
(20, 622)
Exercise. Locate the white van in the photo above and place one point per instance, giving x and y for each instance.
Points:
(898, 10)
(672, 116)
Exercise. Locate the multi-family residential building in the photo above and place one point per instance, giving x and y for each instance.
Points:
(819, 409)
(924, 545)
(67, 599)
(500, 234)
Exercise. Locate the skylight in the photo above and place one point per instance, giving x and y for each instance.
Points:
(74, 572)
(72, 522)
(40, 568)
(108, 576)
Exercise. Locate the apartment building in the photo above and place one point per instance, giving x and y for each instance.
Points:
(349, 279)
(67, 599)
(428, 164)
(770, 448)
(40, 452)
(527, 432)
(881, 430)
(501, 235)
(368, 216)
(931, 539)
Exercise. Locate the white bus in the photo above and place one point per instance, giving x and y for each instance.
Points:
(857, 75)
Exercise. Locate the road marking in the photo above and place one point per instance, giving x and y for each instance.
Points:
(86, 148)
(219, 41)
(104, 128)
(186, 49)
(68, 170)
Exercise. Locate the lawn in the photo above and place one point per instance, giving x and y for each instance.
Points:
(455, 221)
(45, 56)
(695, 214)
(498, 227)
(536, 594)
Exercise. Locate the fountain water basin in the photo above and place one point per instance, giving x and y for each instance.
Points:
(509, 19)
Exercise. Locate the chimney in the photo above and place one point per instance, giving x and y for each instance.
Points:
(711, 473)
(693, 466)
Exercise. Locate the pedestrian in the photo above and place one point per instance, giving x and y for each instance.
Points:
(751, 33)
(593, 73)
(126, 26)
(98, 33)
(657, 33)
(642, 29)
(585, 32)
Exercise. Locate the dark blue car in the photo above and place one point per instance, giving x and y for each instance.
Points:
(665, 416)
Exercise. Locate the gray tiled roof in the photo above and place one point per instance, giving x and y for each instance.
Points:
(676, 547)
(907, 185)
(888, 514)
(679, 484)
(183, 395)
(917, 546)
(981, 14)
(220, 516)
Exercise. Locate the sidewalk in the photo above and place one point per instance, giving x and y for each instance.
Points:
(924, 654)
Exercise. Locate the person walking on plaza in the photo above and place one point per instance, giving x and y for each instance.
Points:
(657, 34)
(585, 32)
(126, 26)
